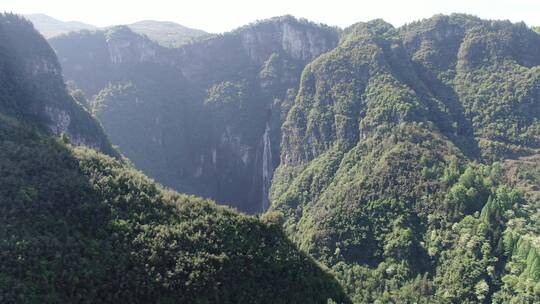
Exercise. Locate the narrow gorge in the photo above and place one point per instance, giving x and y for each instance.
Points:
(204, 118)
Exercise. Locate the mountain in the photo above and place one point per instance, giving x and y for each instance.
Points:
(50, 27)
(405, 161)
(166, 33)
(203, 118)
(79, 226)
(409, 159)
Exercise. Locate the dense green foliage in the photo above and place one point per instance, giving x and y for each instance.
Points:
(408, 165)
(493, 70)
(78, 226)
(380, 174)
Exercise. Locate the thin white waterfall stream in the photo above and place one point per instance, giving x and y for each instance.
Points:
(267, 168)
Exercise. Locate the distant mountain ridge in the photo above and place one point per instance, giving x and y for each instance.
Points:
(166, 33)
(50, 27)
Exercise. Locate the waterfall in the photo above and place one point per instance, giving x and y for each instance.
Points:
(267, 168)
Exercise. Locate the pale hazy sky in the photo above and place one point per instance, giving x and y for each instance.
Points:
(219, 16)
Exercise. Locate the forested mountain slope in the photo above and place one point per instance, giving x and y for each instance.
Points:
(78, 226)
(32, 88)
(204, 118)
(388, 167)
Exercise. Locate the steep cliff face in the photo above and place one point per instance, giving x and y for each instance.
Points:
(127, 47)
(203, 109)
(285, 35)
(34, 89)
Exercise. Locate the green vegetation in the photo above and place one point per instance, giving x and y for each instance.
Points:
(78, 226)
(33, 91)
(491, 70)
(408, 170)
(393, 163)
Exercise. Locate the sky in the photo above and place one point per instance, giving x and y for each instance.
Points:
(220, 16)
